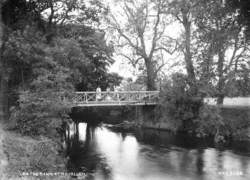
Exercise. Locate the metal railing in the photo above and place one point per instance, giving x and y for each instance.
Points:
(116, 97)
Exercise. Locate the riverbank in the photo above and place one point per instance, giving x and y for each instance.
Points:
(235, 121)
(28, 158)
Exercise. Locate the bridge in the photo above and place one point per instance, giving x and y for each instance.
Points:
(115, 98)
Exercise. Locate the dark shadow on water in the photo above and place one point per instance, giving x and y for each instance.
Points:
(83, 156)
(167, 138)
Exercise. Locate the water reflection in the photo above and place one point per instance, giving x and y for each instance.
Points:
(84, 156)
(152, 155)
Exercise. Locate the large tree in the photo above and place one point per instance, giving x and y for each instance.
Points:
(45, 40)
(184, 12)
(220, 31)
(1, 64)
(140, 35)
(213, 44)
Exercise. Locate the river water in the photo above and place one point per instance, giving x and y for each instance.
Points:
(154, 155)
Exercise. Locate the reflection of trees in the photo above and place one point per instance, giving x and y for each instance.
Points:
(200, 161)
(84, 157)
(172, 157)
(167, 138)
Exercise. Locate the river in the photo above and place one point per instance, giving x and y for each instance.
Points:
(154, 155)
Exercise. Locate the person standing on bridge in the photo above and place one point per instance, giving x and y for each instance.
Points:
(98, 94)
(116, 94)
(108, 97)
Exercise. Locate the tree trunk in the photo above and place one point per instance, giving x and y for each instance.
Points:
(188, 55)
(221, 82)
(3, 78)
(150, 75)
(206, 66)
(1, 66)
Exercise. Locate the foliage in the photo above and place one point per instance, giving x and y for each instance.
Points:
(48, 55)
(225, 52)
(211, 123)
(46, 98)
(213, 44)
(183, 112)
(184, 13)
(239, 85)
(243, 7)
(129, 85)
(113, 80)
(98, 52)
(223, 123)
(177, 105)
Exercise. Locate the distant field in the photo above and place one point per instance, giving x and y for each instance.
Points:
(236, 101)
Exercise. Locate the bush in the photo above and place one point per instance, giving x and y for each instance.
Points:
(43, 104)
(177, 106)
(38, 114)
(211, 123)
(183, 112)
(45, 96)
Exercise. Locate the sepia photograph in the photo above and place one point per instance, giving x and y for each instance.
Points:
(124, 89)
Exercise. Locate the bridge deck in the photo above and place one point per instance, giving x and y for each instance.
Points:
(120, 98)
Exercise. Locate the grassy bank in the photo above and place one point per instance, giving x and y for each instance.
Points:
(237, 120)
(3, 156)
(222, 123)
(22, 157)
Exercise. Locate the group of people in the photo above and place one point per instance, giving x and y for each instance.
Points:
(107, 96)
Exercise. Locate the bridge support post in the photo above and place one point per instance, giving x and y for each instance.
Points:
(76, 129)
(138, 115)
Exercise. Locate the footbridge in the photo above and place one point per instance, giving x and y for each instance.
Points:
(115, 98)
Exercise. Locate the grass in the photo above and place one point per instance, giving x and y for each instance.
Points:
(24, 155)
(238, 120)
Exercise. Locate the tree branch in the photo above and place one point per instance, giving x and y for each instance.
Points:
(154, 40)
(133, 61)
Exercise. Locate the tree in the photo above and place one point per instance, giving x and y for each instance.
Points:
(95, 48)
(244, 11)
(113, 80)
(220, 31)
(1, 65)
(45, 100)
(53, 19)
(15, 15)
(3, 77)
(240, 84)
(184, 13)
(45, 60)
(141, 35)
(213, 46)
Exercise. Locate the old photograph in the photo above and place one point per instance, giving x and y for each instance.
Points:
(124, 89)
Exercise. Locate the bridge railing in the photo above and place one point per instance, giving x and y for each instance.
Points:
(116, 97)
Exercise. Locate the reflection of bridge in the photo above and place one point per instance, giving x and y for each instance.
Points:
(119, 98)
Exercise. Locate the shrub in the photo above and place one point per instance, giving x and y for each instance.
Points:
(183, 112)
(40, 113)
(45, 95)
(211, 123)
(177, 106)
